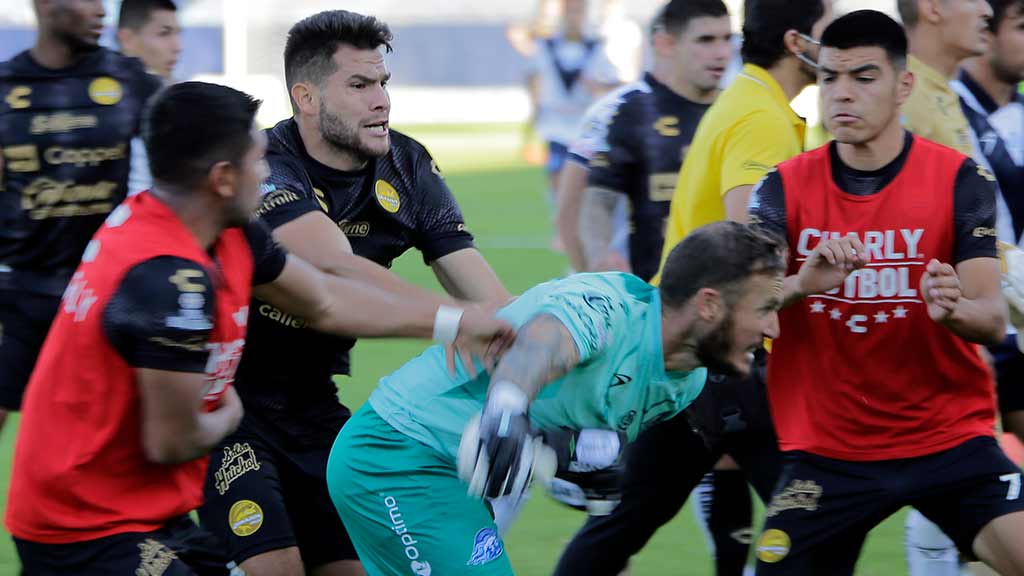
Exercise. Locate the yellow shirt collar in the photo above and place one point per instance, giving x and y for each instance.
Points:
(758, 75)
(925, 73)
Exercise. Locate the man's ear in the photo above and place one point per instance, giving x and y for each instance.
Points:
(222, 177)
(709, 304)
(306, 98)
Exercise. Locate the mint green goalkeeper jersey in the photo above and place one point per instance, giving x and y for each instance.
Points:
(619, 384)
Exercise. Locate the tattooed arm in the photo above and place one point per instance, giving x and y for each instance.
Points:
(543, 351)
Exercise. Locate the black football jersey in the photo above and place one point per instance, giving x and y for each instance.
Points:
(66, 138)
(394, 203)
(633, 141)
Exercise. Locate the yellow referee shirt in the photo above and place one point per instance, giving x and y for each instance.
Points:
(747, 131)
(933, 109)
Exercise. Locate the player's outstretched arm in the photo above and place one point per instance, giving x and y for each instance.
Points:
(466, 275)
(966, 299)
(351, 307)
(317, 240)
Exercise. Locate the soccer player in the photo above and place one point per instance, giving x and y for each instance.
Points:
(995, 111)
(632, 141)
(68, 112)
(149, 30)
(566, 74)
(941, 35)
(133, 386)
(879, 397)
(604, 351)
(341, 181)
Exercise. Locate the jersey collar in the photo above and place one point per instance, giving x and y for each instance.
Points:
(754, 74)
(927, 74)
(661, 88)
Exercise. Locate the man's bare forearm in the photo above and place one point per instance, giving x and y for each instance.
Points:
(543, 352)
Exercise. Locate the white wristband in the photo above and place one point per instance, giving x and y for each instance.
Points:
(446, 323)
(507, 396)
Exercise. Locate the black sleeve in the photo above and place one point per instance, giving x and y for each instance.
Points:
(974, 213)
(268, 256)
(441, 229)
(161, 315)
(287, 193)
(611, 165)
(767, 206)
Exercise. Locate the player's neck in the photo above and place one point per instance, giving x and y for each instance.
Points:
(573, 34)
(194, 210)
(1000, 92)
(678, 345)
(927, 46)
(789, 73)
(323, 152)
(875, 154)
(49, 52)
(673, 78)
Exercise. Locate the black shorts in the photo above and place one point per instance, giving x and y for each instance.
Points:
(265, 492)
(180, 548)
(1009, 365)
(24, 321)
(823, 508)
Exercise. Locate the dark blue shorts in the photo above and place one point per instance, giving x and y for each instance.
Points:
(1009, 364)
(557, 155)
(823, 508)
(178, 549)
(24, 321)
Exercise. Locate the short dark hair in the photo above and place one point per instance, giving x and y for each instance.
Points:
(720, 255)
(677, 14)
(868, 28)
(312, 42)
(135, 14)
(1000, 9)
(188, 127)
(765, 23)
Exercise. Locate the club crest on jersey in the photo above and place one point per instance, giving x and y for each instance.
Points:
(773, 546)
(387, 196)
(245, 517)
(487, 546)
(105, 91)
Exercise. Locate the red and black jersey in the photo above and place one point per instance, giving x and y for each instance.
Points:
(862, 372)
(146, 295)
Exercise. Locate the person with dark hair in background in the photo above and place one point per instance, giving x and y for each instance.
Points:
(149, 30)
(349, 195)
(134, 383)
(878, 392)
(593, 351)
(69, 110)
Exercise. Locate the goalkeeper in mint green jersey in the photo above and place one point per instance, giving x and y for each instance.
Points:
(410, 471)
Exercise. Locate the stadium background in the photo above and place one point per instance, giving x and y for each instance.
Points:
(458, 87)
